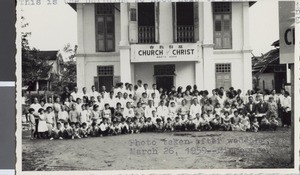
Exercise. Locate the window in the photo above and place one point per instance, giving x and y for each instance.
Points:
(146, 23)
(105, 27)
(184, 22)
(222, 25)
(223, 75)
(105, 77)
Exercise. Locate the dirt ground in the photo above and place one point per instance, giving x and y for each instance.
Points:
(176, 150)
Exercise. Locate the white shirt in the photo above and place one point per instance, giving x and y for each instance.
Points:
(140, 91)
(84, 116)
(36, 107)
(162, 111)
(287, 103)
(195, 109)
(63, 115)
(94, 94)
(76, 95)
(148, 111)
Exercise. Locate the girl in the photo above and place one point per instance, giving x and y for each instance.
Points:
(118, 112)
(168, 125)
(106, 113)
(255, 125)
(204, 123)
(208, 106)
(42, 127)
(95, 115)
(188, 98)
(172, 111)
(218, 109)
(50, 120)
(227, 121)
(63, 116)
(128, 111)
(179, 99)
(236, 122)
(273, 108)
(73, 114)
(245, 123)
(104, 128)
(183, 110)
(227, 108)
(139, 111)
(240, 104)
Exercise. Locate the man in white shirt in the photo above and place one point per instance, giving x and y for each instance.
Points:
(140, 90)
(162, 110)
(154, 90)
(76, 94)
(286, 105)
(94, 93)
(195, 108)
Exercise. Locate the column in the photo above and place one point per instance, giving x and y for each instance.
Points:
(199, 64)
(247, 65)
(80, 59)
(125, 64)
(208, 56)
(165, 23)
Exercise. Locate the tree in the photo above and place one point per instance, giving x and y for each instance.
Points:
(67, 75)
(33, 67)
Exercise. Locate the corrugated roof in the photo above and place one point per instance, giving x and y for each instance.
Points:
(259, 64)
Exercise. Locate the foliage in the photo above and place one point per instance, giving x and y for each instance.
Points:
(33, 67)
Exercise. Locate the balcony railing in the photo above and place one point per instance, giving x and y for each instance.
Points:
(185, 34)
(146, 34)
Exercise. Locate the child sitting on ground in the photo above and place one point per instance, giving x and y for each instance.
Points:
(94, 130)
(204, 123)
(190, 125)
(130, 125)
(123, 126)
(217, 122)
(245, 123)
(149, 125)
(177, 124)
(115, 128)
(227, 121)
(255, 125)
(136, 125)
(84, 131)
(76, 131)
(236, 121)
(264, 124)
(57, 133)
(159, 125)
(168, 125)
(104, 128)
(273, 122)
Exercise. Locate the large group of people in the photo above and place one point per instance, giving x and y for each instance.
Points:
(129, 109)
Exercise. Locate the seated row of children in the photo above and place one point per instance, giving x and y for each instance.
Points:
(129, 125)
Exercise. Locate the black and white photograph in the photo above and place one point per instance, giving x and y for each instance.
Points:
(157, 85)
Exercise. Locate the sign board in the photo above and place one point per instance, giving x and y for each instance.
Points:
(164, 52)
(287, 31)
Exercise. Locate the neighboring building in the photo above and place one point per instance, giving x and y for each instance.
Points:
(267, 72)
(52, 58)
(183, 43)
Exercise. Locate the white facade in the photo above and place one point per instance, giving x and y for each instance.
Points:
(199, 70)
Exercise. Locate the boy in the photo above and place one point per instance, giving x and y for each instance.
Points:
(159, 125)
(68, 132)
(84, 131)
(115, 128)
(236, 121)
(57, 133)
(136, 126)
(255, 125)
(123, 126)
(84, 115)
(149, 125)
(107, 112)
(32, 123)
(104, 128)
(204, 123)
(162, 110)
(177, 124)
(172, 111)
(76, 131)
(94, 130)
(227, 121)
(73, 114)
(273, 122)
(139, 111)
(264, 124)
(130, 125)
(190, 124)
(217, 122)
(168, 125)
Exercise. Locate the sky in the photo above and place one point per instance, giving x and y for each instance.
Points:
(54, 26)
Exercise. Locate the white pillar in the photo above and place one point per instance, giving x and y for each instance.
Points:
(247, 64)
(165, 23)
(80, 59)
(125, 64)
(208, 44)
(199, 64)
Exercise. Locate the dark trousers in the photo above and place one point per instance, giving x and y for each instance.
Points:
(286, 118)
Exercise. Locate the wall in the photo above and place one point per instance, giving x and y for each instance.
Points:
(185, 73)
(267, 78)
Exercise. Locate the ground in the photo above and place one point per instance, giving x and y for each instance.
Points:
(176, 150)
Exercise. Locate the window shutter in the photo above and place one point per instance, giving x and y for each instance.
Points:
(96, 83)
(133, 23)
(174, 21)
(156, 6)
(226, 31)
(196, 21)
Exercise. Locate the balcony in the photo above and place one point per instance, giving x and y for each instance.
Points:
(146, 34)
(185, 34)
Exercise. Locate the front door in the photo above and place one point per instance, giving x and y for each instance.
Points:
(165, 82)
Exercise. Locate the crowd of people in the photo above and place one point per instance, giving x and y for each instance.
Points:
(129, 109)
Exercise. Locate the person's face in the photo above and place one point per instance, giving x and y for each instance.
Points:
(84, 90)
(250, 99)
(42, 103)
(66, 126)
(161, 90)
(128, 105)
(161, 103)
(139, 105)
(183, 102)
(35, 100)
(99, 99)
(76, 89)
(58, 100)
(103, 88)
(58, 126)
(154, 87)
(50, 100)
(78, 101)
(93, 88)
(153, 96)
(73, 107)
(125, 95)
(118, 105)
(83, 107)
(282, 91)
(49, 110)
(73, 125)
(172, 104)
(195, 102)
(144, 95)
